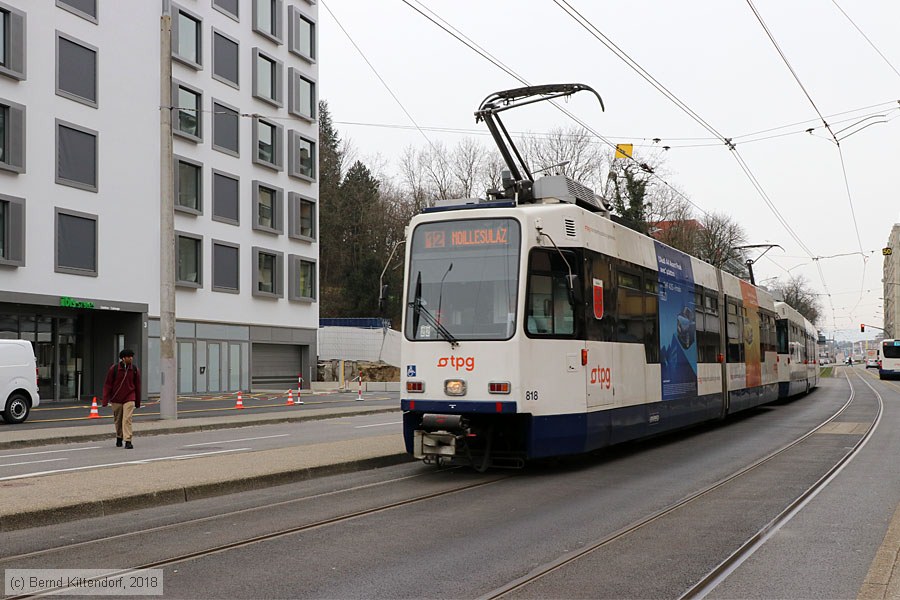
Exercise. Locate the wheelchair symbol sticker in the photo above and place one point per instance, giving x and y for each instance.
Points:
(410, 370)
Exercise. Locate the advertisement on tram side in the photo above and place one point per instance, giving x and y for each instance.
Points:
(677, 326)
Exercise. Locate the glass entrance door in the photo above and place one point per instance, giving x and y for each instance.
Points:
(67, 364)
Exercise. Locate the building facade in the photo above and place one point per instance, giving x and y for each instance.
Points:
(80, 168)
(891, 282)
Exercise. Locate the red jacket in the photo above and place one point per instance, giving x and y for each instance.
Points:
(123, 384)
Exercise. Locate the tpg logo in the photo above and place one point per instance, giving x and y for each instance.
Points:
(457, 362)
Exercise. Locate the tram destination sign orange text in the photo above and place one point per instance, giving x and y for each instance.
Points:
(485, 236)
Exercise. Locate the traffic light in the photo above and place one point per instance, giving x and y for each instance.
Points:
(862, 328)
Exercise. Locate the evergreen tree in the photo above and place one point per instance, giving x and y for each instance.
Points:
(330, 216)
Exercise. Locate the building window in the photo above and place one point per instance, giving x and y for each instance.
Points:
(12, 42)
(267, 78)
(226, 267)
(267, 18)
(268, 208)
(76, 243)
(225, 59)
(301, 278)
(86, 9)
(226, 136)
(189, 260)
(187, 38)
(12, 136)
(267, 144)
(76, 70)
(229, 7)
(302, 156)
(76, 156)
(188, 186)
(12, 231)
(188, 117)
(225, 198)
(301, 217)
(302, 95)
(301, 34)
(268, 273)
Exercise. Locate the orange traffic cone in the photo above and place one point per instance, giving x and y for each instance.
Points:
(240, 401)
(95, 414)
(290, 401)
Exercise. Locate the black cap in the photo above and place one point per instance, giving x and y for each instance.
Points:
(126, 352)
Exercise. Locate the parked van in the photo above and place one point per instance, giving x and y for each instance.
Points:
(18, 380)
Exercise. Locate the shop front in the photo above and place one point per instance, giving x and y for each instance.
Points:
(74, 339)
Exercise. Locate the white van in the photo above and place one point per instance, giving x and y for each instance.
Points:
(18, 380)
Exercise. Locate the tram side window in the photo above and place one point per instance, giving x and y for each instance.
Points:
(781, 333)
(651, 317)
(707, 328)
(603, 329)
(629, 308)
(547, 307)
(735, 333)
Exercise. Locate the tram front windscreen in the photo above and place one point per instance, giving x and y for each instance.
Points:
(463, 280)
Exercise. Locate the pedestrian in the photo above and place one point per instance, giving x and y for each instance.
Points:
(122, 389)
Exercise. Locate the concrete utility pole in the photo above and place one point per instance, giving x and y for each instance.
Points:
(168, 408)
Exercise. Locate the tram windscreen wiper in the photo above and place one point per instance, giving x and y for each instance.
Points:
(419, 311)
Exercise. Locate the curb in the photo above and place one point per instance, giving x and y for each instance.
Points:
(179, 494)
(61, 438)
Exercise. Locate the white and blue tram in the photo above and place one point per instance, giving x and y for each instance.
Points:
(798, 369)
(543, 328)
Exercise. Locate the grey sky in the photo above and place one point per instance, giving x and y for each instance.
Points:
(716, 57)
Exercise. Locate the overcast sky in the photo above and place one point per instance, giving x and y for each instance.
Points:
(715, 56)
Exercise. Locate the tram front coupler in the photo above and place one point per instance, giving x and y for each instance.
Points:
(439, 436)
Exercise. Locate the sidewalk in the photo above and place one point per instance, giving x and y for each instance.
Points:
(70, 496)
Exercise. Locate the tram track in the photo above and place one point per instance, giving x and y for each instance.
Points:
(131, 537)
(745, 550)
(175, 557)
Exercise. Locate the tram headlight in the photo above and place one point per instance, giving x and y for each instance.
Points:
(455, 387)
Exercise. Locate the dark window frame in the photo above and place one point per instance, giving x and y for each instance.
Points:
(177, 11)
(236, 82)
(176, 114)
(295, 265)
(60, 91)
(93, 18)
(178, 160)
(12, 242)
(57, 267)
(217, 287)
(74, 182)
(198, 239)
(237, 181)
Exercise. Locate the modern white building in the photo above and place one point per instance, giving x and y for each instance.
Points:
(80, 169)
(891, 282)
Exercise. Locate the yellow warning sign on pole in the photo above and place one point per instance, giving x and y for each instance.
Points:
(624, 150)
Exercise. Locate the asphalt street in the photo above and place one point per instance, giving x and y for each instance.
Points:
(16, 464)
(63, 414)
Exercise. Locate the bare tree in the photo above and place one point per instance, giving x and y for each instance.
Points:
(467, 165)
(797, 292)
(585, 162)
(717, 239)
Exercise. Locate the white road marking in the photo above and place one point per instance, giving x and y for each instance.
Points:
(31, 462)
(265, 437)
(50, 452)
(118, 464)
(379, 424)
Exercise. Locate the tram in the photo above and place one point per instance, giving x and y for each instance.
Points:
(536, 326)
(890, 359)
(798, 369)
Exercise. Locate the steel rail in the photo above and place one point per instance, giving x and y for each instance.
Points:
(264, 537)
(198, 520)
(721, 572)
(571, 557)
